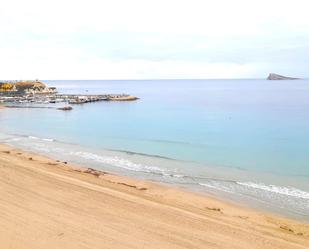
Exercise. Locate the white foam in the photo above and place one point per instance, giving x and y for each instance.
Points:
(15, 139)
(48, 139)
(43, 139)
(178, 176)
(118, 162)
(221, 188)
(290, 191)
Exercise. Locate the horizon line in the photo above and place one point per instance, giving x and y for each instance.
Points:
(146, 79)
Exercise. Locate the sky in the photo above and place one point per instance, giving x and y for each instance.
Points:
(153, 39)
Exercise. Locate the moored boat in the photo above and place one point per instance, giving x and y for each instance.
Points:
(65, 108)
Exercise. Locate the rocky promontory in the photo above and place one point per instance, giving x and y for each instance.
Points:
(273, 76)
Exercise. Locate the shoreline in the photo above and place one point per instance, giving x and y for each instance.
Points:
(91, 157)
(54, 198)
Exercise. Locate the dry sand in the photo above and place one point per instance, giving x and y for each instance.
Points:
(49, 204)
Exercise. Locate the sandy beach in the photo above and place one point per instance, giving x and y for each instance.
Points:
(50, 204)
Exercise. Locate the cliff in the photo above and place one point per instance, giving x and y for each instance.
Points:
(26, 87)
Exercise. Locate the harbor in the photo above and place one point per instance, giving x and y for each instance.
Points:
(36, 92)
(65, 98)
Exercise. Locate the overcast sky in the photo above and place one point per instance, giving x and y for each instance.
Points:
(151, 39)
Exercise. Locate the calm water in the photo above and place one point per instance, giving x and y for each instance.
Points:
(245, 139)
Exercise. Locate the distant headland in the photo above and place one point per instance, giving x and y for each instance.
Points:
(273, 76)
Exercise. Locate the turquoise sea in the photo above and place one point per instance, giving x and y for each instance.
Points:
(246, 140)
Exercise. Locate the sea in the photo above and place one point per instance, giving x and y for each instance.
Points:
(242, 140)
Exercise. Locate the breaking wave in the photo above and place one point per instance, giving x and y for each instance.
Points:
(290, 191)
(119, 162)
(43, 139)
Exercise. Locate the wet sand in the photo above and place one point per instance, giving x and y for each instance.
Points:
(50, 204)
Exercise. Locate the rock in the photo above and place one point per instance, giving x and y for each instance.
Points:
(94, 172)
(214, 209)
(273, 76)
(287, 228)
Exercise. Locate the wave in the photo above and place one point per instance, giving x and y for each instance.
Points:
(216, 187)
(120, 162)
(222, 184)
(128, 152)
(173, 142)
(142, 154)
(43, 139)
(18, 137)
(290, 191)
(253, 189)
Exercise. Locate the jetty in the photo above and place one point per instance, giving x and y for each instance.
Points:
(122, 98)
(81, 99)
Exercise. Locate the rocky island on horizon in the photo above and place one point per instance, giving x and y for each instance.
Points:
(273, 76)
